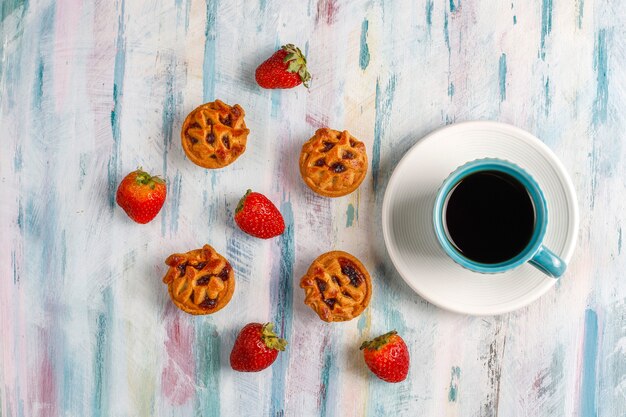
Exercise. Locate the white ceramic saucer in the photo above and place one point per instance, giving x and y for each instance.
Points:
(408, 208)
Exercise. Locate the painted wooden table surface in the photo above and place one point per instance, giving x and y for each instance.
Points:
(91, 90)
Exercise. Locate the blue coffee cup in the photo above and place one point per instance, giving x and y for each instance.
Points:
(534, 252)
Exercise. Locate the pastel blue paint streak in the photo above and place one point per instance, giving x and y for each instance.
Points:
(364, 55)
(275, 96)
(185, 11)
(116, 113)
(167, 117)
(63, 253)
(18, 160)
(11, 66)
(16, 275)
(208, 65)
(453, 7)
(207, 353)
(42, 231)
(282, 300)
(547, 97)
(350, 215)
(581, 11)
(600, 65)
(176, 188)
(546, 25)
(31, 223)
(167, 122)
(213, 180)
(451, 90)
(619, 241)
(327, 396)
(20, 216)
(82, 166)
(239, 248)
(394, 318)
(446, 33)
(383, 114)
(102, 358)
(502, 77)
(588, 404)
(73, 376)
(7, 7)
(429, 14)
(38, 84)
(361, 323)
(514, 19)
(453, 391)
(378, 127)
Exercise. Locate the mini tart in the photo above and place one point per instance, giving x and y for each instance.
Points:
(214, 134)
(333, 163)
(337, 286)
(200, 281)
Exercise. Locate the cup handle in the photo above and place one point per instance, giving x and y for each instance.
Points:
(547, 262)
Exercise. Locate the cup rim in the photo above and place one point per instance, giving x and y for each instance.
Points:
(507, 167)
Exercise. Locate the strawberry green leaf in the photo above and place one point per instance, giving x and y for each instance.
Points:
(242, 201)
(378, 342)
(270, 339)
(297, 63)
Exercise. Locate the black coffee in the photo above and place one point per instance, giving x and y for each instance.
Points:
(489, 217)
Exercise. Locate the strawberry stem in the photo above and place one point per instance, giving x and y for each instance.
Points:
(143, 178)
(297, 63)
(270, 339)
(242, 201)
(378, 342)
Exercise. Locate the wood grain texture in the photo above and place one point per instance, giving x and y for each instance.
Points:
(89, 90)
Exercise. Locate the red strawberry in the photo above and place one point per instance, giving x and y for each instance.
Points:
(285, 69)
(257, 216)
(256, 348)
(141, 196)
(387, 356)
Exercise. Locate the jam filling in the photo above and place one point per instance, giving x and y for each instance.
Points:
(223, 275)
(208, 303)
(321, 285)
(226, 141)
(350, 270)
(226, 121)
(320, 162)
(338, 167)
(199, 265)
(203, 280)
(327, 146)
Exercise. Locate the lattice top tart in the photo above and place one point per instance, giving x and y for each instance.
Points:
(214, 134)
(200, 281)
(337, 286)
(333, 163)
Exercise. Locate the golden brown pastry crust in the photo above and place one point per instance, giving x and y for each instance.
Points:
(333, 163)
(337, 286)
(200, 281)
(214, 134)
